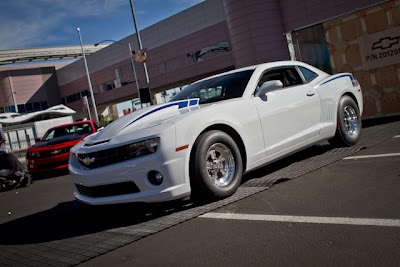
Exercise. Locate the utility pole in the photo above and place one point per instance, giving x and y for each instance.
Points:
(141, 48)
(88, 77)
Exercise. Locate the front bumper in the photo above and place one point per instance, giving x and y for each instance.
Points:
(127, 181)
(40, 165)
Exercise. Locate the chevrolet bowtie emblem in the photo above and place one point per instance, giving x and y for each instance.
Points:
(87, 161)
(56, 152)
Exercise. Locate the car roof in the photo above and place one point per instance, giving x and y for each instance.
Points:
(263, 66)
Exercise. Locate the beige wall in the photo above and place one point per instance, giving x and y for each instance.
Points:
(367, 43)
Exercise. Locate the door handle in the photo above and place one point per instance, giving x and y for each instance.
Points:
(310, 93)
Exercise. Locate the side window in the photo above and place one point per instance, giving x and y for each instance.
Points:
(271, 76)
(288, 77)
(292, 77)
(308, 74)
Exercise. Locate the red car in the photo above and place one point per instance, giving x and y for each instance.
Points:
(52, 151)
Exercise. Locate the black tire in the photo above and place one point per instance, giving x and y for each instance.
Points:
(218, 152)
(348, 128)
(26, 180)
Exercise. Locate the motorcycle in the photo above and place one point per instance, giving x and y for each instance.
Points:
(13, 173)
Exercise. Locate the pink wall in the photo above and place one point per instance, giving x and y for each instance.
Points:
(256, 31)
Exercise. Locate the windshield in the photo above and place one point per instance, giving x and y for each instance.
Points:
(217, 89)
(81, 129)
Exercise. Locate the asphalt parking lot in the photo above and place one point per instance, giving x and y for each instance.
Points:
(316, 207)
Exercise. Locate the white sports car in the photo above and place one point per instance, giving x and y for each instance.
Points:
(202, 141)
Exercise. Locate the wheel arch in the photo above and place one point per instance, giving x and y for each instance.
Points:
(352, 96)
(229, 131)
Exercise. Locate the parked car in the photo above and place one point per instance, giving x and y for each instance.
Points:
(213, 131)
(52, 151)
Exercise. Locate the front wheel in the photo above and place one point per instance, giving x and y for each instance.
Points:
(216, 166)
(348, 123)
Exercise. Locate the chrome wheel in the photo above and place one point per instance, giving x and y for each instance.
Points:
(220, 164)
(348, 129)
(350, 120)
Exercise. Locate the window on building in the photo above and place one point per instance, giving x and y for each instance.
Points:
(29, 107)
(36, 106)
(21, 108)
(110, 86)
(44, 105)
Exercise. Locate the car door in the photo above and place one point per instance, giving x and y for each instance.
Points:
(290, 116)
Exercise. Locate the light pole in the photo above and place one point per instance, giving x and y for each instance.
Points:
(132, 61)
(13, 93)
(88, 76)
(141, 48)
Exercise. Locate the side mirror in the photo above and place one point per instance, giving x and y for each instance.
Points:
(268, 87)
(101, 128)
(37, 140)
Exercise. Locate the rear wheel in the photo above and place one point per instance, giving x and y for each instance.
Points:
(216, 166)
(348, 123)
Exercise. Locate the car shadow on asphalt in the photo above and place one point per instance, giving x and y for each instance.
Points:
(287, 161)
(50, 174)
(72, 219)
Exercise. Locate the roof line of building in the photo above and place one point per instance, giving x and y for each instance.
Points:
(46, 53)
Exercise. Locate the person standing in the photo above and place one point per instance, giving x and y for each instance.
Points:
(3, 149)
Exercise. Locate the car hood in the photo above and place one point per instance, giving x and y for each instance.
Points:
(144, 118)
(59, 140)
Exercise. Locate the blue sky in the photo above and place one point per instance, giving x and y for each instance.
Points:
(45, 23)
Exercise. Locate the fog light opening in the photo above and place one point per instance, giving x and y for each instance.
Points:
(155, 178)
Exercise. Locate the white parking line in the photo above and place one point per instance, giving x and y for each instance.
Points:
(397, 136)
(304, 219)
(374, 156)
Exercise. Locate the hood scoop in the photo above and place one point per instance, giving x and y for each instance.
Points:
(94, 142)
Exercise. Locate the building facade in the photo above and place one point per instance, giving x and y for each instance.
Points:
(29, 88)
(220, 35)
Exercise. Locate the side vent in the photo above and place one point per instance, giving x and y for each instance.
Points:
(329, 110)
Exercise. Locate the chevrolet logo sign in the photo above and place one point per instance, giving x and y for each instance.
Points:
(385, 43)
(87, 161)
(56, 152)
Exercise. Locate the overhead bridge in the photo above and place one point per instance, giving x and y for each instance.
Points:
(46, 53)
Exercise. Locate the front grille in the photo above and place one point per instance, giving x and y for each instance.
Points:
(52, 165)
(54, 152)
(110, 156)
(108, 190)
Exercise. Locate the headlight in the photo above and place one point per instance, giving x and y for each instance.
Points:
(33, 154)
(143, 148)
(118, 154)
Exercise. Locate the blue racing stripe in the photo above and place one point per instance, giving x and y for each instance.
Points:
(181, 104)
(193, 102)
(344, 75)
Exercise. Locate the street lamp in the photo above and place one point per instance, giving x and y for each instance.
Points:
(133, 63)
(88, 76)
